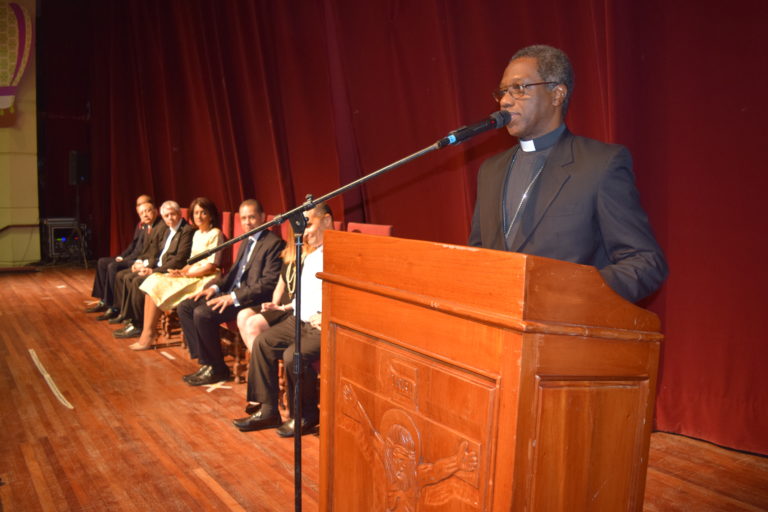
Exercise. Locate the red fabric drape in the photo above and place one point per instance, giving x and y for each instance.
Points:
(231, 99)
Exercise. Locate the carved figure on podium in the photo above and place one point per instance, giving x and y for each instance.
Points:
(396, 445)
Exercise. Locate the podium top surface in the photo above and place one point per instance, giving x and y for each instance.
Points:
(523, 292)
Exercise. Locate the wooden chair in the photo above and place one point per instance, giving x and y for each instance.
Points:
(282, 230)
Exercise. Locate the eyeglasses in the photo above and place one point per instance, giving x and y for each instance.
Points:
(516, 90)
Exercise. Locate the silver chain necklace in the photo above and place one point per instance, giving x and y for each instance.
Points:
(524, 199)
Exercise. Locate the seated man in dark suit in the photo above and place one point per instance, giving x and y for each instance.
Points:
(167, 250)
(108, 267)
(251, 281)
(277, 343)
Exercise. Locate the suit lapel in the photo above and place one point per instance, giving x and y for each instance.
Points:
(553, 178)
(257, 249)
(156, 242)
(174, 246)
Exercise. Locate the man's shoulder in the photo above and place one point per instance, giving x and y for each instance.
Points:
(591, 158)
(589, 145)
(270, 239)
(159, 230)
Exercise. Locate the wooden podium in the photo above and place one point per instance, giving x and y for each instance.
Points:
(458, 379)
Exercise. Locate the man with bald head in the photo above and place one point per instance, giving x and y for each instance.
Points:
(108, 267)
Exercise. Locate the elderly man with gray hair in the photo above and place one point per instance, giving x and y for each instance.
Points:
(169, 247)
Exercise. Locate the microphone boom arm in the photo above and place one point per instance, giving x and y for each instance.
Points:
(495, 120)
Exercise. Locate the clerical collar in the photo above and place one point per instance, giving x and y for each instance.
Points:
(545, 141)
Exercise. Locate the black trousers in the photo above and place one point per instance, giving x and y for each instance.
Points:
(276, 343)
(128, 298)
(104, 281)
(200, 325)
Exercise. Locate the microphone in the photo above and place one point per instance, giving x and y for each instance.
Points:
(495, 120)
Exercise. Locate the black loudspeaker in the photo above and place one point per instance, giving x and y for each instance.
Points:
(79, 168)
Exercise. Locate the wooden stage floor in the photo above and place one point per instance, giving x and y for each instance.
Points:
(137, 438)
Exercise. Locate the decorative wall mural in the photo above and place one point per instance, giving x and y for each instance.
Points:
(402, 479)
(15, 44)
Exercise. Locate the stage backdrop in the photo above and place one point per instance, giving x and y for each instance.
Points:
(234, 99)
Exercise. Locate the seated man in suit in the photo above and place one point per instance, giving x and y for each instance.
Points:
(559, 195)
(277, 343)
(167, 249)
(108, 267)
(249, 282)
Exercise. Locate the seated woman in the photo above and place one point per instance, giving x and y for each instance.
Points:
(165, 291)
(253, 321)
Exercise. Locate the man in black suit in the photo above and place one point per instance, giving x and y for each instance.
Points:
(108, 267)
(278, 342)
(249, 282)
(559, 195)
(169, 247)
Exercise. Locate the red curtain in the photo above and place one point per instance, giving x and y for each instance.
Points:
(275, 100)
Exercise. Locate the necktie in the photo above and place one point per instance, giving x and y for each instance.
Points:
(241, 265)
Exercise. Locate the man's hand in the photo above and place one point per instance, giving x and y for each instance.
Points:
(220, 303)
(316, 320)
(118, 259)
(137, 265)
(145, 271)
(206, 294)
(270, 306)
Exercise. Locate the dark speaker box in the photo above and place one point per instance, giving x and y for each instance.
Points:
(79, 168)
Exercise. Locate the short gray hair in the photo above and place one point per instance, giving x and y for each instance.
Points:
(173, 205)
(553, 66)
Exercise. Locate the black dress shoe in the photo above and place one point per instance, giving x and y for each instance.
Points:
(99, 307)
(287, 429)
(209, 376)
(129, 331)
(252, 408)
(257, 422)
(119, 319)
(197, 373)
(122, 329)
(109, 314)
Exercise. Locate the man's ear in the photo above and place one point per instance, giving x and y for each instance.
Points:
(559, 93)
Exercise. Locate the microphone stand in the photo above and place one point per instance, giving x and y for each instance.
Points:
(298, 221)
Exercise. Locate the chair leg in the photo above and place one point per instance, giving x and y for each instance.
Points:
(282, 391)
(169, 323)
(238, 344)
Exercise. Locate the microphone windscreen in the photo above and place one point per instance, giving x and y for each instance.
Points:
(502, 118)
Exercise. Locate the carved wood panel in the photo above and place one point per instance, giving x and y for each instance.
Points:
(407, 450)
